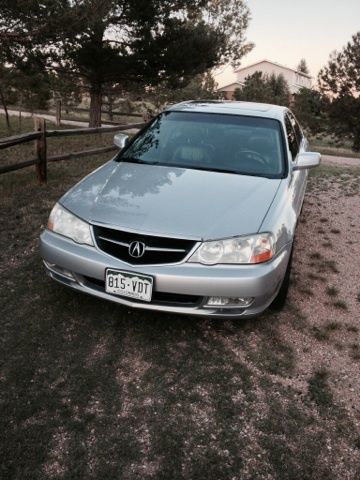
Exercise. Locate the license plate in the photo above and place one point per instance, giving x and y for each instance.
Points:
(129, 284)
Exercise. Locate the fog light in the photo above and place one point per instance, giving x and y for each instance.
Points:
(59, 270)
(239, 302)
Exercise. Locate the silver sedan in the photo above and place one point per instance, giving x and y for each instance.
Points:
(196, 214)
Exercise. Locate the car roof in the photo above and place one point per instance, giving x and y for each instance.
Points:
(231, 108)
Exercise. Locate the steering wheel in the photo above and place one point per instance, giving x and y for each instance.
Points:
(251, 154)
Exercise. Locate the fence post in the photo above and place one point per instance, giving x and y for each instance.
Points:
(111, 116)
(58, 113)
(40, 150)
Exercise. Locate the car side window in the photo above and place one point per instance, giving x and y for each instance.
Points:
(291, 137)
(296, 127)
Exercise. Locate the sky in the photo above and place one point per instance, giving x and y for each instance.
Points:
(284, 31)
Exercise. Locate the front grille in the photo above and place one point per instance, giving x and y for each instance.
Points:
(158, 250)
(158, 298)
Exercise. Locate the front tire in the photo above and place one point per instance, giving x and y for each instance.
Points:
(279, 301)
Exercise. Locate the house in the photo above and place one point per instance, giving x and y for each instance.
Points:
(229, 90)
(294, 78)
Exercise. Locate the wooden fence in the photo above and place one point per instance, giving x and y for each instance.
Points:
(41, 159)
(109, 112)
(60, 109)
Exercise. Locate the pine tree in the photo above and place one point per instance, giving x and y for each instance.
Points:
(264, 89)
(125, 41)
(339, 80)
(302, 67)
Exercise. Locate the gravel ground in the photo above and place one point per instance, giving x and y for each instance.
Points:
(327, 284)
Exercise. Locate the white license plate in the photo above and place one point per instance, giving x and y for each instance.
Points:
(129, 284)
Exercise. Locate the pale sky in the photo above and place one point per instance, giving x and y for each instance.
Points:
(284, 31)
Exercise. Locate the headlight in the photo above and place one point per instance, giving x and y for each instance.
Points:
(65, 223)
(257, 248)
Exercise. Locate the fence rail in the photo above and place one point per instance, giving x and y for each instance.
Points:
(106, 112)
(89, 131)
(60, 109)
(18, 166)
(18, 139)
(84, 153)
(40, 136)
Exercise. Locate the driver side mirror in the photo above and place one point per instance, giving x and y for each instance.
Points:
(121, 140)
(307, 160)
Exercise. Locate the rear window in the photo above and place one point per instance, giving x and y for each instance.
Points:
(230, 143)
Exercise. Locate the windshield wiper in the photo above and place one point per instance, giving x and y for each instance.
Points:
(227, 170)
(195, 167)
(261, 175)
(211, 169)
(137, 160)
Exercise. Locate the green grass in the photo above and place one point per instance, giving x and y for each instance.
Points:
(316, 256)
(325, 140)
(333, 172)
(335, 152)
(355, 351)
(27, 125)
(352, 328)
(89, 389)
(332, 291)
(326, 265)
(327, 145)
(322, 333)
(322, 265)
(307, 291)
(341, 304)
(319, 389)
(332, 326)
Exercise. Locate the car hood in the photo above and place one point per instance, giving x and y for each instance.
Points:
(171, 201)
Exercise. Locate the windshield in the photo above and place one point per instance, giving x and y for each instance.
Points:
(215, 142)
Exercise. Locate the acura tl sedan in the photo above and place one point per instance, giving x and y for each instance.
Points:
(196, 214)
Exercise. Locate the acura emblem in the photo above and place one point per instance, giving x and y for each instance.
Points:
(137, 249)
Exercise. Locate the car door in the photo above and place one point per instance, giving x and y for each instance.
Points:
(297, 143)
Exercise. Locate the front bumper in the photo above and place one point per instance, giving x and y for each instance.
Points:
(182, 288)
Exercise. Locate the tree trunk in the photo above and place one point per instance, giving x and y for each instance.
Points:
(5, 108)
(95, 106)
(111, 116)
(20, 111)
(58, 113)
(356, 142)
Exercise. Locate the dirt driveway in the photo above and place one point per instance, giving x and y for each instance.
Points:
(344, 161)
(90, 390)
